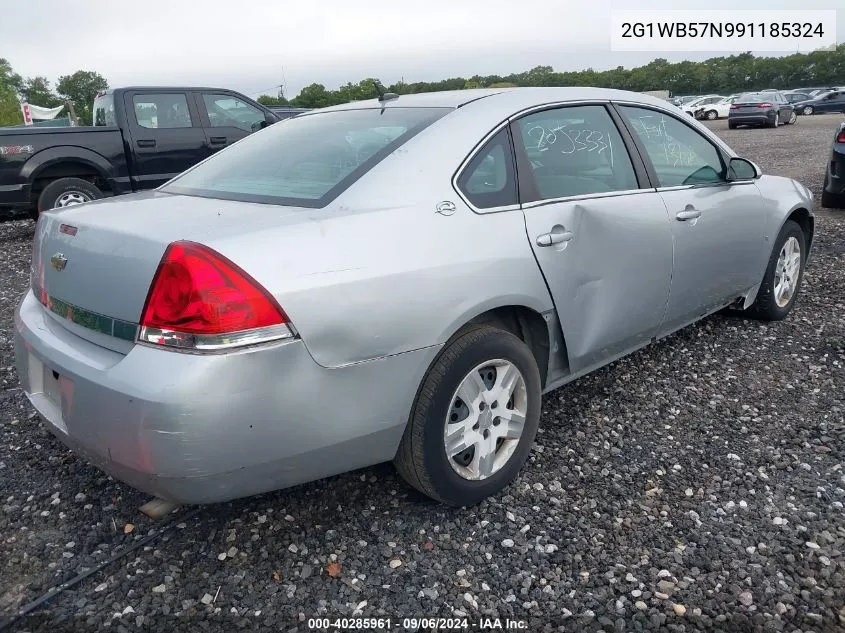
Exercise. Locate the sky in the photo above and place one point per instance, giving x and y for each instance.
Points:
(255, 47)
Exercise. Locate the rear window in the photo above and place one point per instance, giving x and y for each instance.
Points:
(753, 97)
(307, 160)
(104, 110)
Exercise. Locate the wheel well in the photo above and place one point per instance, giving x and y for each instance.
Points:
(528, 325)
(67, 169)
(803, 218)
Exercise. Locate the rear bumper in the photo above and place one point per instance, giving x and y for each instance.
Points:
(835, 181)
(208, 428)
(14, 195)
(752, 119)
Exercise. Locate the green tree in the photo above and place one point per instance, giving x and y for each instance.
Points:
(80, 88)
(37, 91)
(267, 100)
(314, 96)
(10, 84)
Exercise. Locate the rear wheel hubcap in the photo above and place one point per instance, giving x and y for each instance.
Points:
(70, 198)
(486, 419)
(786, 271)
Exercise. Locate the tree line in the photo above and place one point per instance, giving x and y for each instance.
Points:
(77, 89)
(720, 75)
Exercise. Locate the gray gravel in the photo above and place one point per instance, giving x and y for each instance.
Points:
(697, 484)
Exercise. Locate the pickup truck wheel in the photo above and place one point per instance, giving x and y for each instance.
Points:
(66, 192)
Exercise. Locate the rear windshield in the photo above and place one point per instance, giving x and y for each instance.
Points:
(753, 97)
(307, 160)
(104, 110)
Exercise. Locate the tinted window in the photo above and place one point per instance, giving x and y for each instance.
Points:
(306, 160)
(680, 154)
(753, 97)
(228, 111)
(489, 179)
(162, 111)
(104, 109)
(575, 151)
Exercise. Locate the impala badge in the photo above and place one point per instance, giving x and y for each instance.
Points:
(58, 261)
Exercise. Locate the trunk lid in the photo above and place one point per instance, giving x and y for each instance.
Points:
(94, 263)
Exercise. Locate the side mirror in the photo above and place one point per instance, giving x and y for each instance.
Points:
(743, 169)
(271, 118)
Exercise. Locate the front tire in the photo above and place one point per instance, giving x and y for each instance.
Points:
(792, 118)
(66, 192)
(784, 273)
(474, 419)
(808, 110)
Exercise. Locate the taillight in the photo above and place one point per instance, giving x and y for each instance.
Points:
(199, 300)
(841, 137)
(734, 106)
(765, 105)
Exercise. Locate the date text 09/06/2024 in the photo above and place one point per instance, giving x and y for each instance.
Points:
(415, 624)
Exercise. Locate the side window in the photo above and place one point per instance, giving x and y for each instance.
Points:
(489, 179)
(160, 111)
(575, 151)
(229, 111)
(680, 154)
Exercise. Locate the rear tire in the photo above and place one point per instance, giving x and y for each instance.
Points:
(731, 125)
(422, 458)
(711, 115)
(66, 192)
(769, 306)
(833, 201)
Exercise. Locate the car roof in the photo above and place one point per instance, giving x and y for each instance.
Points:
(505, 97)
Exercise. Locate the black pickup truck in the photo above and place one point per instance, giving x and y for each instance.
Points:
(141, 138)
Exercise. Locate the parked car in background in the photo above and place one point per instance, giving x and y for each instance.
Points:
(225, 334)
(717, 110)
(770, 109)
(679, 101)
(141, 138)
(286, 112)
(832, 101)
(691, 106)
(833, 193)
(794, 97)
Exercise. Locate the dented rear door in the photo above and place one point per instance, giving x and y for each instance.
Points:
(604, 244)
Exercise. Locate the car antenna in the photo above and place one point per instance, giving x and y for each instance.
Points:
(382, 95)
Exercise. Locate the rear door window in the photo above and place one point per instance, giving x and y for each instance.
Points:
(574, 151)
(162, 111)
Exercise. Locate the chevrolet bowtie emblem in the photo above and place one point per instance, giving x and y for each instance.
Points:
(58, 261)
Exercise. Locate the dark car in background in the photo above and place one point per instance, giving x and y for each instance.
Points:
(769, 109)
(832, 101)
(794, 97)
(286, 112)
(833, 193)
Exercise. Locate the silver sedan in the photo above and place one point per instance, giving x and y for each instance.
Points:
(396, 279)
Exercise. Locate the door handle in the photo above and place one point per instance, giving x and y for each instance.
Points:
(146, 142)
(217, 140)
(558, 235)
(688, 214)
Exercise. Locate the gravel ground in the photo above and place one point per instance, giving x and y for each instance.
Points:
(697, 484)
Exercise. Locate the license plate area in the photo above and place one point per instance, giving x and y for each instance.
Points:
(52, 386)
